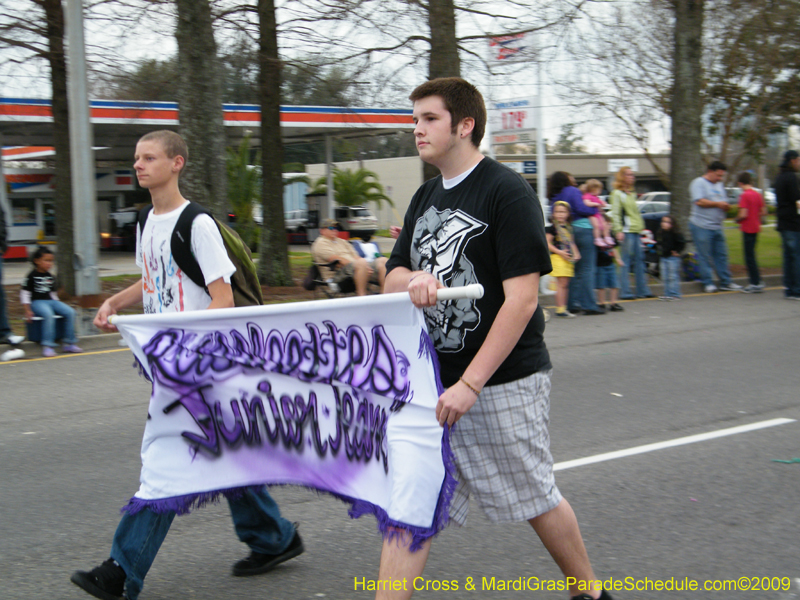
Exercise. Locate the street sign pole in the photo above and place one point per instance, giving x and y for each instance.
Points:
(541, 167)
(84, 196)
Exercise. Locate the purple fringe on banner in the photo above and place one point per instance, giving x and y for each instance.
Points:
(441, 516)
(182, 505)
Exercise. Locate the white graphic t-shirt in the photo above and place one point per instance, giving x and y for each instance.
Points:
(166, 287)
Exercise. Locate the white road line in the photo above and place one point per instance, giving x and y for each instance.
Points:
(701, 437)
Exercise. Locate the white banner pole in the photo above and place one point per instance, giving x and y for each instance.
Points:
(470, 292)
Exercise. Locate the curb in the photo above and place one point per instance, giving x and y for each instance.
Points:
(111, 341)
(687, 288)
(89, 343)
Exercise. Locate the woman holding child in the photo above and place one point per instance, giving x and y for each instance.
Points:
(581, 287)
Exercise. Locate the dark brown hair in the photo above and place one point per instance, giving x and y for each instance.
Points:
(39, 253)
(461, 99)
(557, 182)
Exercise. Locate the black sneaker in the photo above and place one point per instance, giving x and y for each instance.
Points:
(594, 312)
(106, 582)
(258, 563)
(604, 596)
(615, 308)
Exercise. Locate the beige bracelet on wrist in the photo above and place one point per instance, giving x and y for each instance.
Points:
(466, 383)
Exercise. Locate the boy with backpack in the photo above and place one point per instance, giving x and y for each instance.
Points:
(165, 287)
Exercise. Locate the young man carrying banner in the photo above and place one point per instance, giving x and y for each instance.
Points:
(482, 223)
(160, 157)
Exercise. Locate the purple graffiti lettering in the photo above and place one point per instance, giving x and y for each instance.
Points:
(360, 425)
(252, 408)
(266, 388)
(232, 437)
(366, 361)
(195, 404)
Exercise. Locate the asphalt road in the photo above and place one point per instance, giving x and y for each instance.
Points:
(717, 509)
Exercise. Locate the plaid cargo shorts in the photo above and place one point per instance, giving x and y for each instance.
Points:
(502, 452)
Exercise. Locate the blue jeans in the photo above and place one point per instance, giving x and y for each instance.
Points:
(605, 278)
(749, 244)
(670, 268)
(256, 518)
(5, 328)
(581, 286)
(712, 251)
(791, 262)
(48, 309)
(632, 254)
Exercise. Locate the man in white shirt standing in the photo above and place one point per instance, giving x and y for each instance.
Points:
(709, 208)
(159, 159)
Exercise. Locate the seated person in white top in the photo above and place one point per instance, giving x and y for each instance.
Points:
(329, 247)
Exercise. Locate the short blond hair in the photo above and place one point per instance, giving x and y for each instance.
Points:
(591, 184)
(172, 143)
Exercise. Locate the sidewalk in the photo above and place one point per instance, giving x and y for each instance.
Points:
(113, 263)
(110, 263)
(110, 341)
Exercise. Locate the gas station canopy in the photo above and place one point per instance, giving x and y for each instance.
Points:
(117, 124)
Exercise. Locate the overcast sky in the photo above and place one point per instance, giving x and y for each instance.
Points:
(510, 82)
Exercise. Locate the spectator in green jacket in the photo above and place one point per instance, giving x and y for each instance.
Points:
(627, 224)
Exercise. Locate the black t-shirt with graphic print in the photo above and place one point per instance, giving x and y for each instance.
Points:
(40, 285)
(485, 230)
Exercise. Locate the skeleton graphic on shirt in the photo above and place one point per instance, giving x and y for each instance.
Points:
(437, 246)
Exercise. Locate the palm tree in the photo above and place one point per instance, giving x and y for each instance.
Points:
(354, 188)
(244, 190)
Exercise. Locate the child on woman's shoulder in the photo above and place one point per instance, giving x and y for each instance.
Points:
(40, 299)
(563, 254)
(600, 228)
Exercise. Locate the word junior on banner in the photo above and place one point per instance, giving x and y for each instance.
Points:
(286, 423)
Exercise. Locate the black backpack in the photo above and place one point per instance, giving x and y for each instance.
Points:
(244, 282)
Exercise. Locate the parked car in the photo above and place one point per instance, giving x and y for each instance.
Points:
(296, 221)
(647, 208)
(655, 197)
(358, 221)
(735, 192)
(123, 229)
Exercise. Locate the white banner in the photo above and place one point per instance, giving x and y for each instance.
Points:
(338, 396)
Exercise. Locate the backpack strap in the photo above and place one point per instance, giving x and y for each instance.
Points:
(181, 243)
